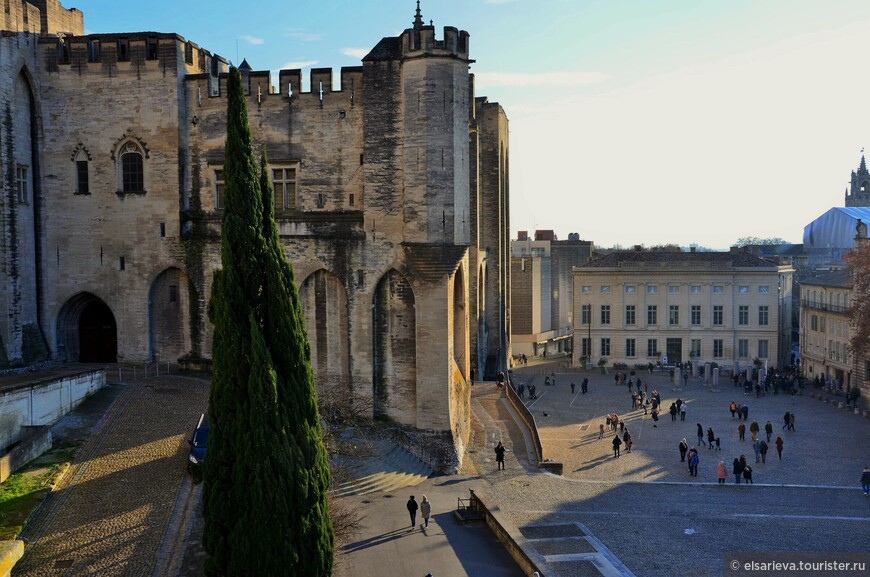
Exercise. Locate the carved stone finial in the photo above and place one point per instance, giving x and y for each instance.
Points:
(418, 18)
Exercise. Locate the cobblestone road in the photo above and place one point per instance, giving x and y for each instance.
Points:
(112, 509)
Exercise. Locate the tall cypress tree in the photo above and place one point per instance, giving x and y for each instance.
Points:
(266, 475)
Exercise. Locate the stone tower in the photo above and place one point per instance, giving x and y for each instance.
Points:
(859, 190)
(391, 201)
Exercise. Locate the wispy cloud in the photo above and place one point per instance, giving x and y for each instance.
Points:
(355, 52)
(252, 40)
(302, 35)
(553, 79)
(293, 65)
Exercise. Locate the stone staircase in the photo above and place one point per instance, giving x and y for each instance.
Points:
(389, 469)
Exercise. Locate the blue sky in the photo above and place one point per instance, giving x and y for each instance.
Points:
(632, 121)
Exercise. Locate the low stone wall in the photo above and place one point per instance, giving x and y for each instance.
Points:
(507, 536)
(34, 442)
(10, 553)
(527, 418)
(43, 402)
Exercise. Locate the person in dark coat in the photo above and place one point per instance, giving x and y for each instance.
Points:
(865, 481)
(778, 444)
(701, 435)
(694, 460)
(616, 443)
(747, 474)
(673, 410)
(684, 448)
(737, 469)
(584, 386)
(412, 510)
(499, 455)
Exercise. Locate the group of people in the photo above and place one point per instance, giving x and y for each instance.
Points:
(425, 508)
(617, 443)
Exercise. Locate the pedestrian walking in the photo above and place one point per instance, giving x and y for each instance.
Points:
(616, 443)
(865, 481)
(754, 428)
(768, 430)
(584, 386)
(790, 422)
(572, 388)
(737, 470)
(741, 431)
(683, 412)
(778, 444)
(745, 412)
(711, 437)
(626, 438)
(425, 511)
(412, 510)
(673, 411)
(684, 448)
(655, 416)
(785, 419)
(733, 408)
(756, 447)
(600, 431)
(701, 435)
(764, 448)
(721, 471)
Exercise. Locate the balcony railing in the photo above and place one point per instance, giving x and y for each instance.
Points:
(823, 306)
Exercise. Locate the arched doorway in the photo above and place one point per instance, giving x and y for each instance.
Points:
(86, 331)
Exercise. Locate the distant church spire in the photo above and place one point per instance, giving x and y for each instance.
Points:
(418, 18)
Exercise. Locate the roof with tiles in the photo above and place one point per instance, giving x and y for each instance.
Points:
(735, 259)
(838, 278)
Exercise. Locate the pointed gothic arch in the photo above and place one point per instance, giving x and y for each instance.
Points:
(87, 331)
(394, 349)
(170, 300)
(324, 302)
(460, 322)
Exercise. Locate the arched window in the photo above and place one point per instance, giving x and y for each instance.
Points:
(82, 174)
(132, 169)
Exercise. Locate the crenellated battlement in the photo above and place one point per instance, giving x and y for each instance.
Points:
(41, 17)
(421, 41)
(110, 54)
(290, 84)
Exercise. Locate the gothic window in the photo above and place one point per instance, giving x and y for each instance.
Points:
(284, 184)
(81, 157)
(131, 168)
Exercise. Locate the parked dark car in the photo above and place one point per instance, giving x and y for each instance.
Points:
(198, 444)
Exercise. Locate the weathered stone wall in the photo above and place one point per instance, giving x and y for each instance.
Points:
(374, 186)
(495, 231)
(43, 403)
(19, 126)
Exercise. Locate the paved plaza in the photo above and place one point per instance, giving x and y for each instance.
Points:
(127, 506)
(644, 510)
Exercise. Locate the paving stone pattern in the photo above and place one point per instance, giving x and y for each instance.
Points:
(109, 515)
